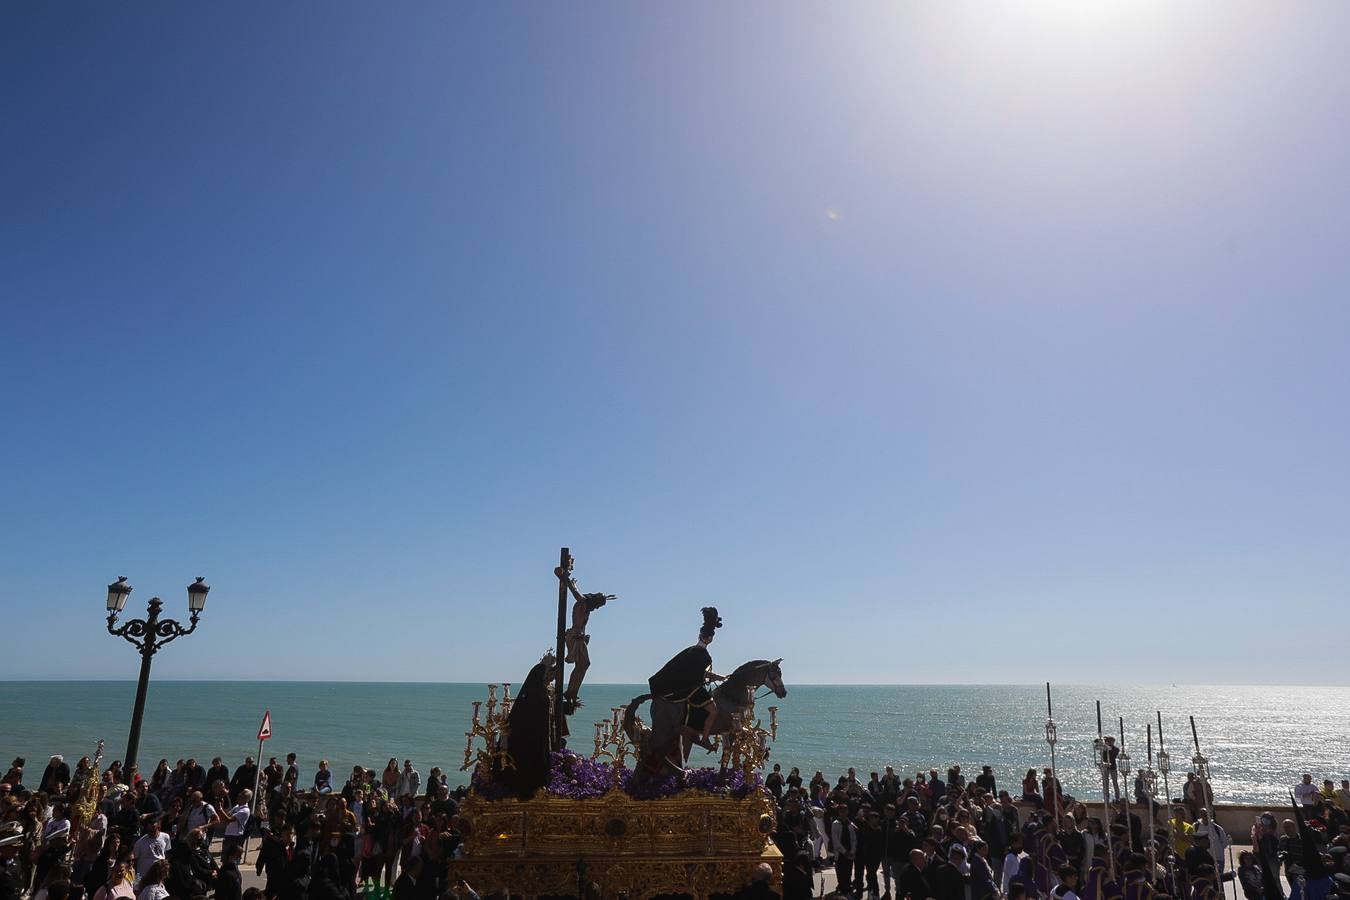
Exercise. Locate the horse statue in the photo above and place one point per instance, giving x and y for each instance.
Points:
(667, 743)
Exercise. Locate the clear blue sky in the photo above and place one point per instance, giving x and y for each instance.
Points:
(934, 342)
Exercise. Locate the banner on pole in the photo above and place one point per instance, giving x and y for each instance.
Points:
(265, 730)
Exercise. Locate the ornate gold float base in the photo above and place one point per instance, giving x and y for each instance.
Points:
(693, 843)
(617, 876)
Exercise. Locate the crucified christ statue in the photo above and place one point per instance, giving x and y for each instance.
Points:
(577, 640)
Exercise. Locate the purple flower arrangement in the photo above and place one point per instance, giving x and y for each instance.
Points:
(486, 787)
(579, 778)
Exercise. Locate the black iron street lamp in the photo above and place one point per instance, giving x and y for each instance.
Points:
(148, 635)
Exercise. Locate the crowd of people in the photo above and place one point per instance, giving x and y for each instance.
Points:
(941, 836)
(377, 835)
(389, 834)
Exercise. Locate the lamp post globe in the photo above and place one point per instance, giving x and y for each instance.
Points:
(197, 592)
(118, 592)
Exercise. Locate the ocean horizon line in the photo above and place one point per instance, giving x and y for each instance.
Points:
(830, 684)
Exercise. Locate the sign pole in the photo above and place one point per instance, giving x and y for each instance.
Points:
(264, 732)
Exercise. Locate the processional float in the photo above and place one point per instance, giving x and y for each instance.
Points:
(541, 819)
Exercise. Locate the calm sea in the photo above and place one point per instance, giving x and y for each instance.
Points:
(1258, 739)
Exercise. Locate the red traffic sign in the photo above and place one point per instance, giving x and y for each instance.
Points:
(265, 730)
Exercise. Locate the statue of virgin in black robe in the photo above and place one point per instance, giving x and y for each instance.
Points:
(528, 738)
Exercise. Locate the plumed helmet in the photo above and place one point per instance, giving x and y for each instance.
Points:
(711, 622)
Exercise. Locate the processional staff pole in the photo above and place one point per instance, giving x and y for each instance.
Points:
(1150, 791)
(1165, 767)
(1123, 765)
(1207, 793)
(559, 717)
(1051, 736)
(1101, 758)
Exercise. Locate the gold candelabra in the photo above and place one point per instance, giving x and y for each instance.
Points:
(611, 742)
(493, 729)
(746, 745)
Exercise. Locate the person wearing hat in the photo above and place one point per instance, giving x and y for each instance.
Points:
(1136, 825)
(1136, 878)
(1203, 884)
(683, 680)
(12, 882)
(55, 843)
(1198, 855)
